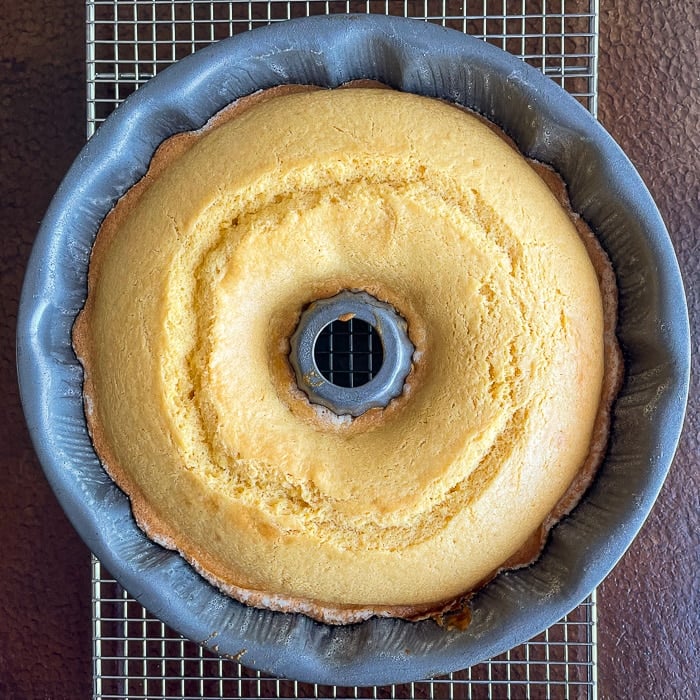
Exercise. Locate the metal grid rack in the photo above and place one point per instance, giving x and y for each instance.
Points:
(129, 41)
(348, 353)
(136, 657)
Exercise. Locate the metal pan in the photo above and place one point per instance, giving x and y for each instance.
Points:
(548, 125)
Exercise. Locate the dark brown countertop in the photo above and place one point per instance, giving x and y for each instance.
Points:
(649, 607)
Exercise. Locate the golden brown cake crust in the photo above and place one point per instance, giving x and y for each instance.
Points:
(151, 520)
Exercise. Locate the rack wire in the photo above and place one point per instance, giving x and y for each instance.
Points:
(136, 657)
(128, 42)
(348, 353)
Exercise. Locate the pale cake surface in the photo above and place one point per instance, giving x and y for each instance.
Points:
(197, 282)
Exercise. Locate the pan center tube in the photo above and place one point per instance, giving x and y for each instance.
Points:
(351, 353)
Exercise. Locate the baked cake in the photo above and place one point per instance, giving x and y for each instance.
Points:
(197, 281)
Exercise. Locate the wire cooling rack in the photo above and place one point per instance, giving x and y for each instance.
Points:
(128, 42)
(136, 657)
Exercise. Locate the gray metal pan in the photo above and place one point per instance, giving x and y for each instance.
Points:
(548, 125)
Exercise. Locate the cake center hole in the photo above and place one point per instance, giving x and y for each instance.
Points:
(349, 353)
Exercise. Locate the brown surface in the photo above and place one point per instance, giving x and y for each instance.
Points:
(649, 101)
(649, 634)
(45, 638)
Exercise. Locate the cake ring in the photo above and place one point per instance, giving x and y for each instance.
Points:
(499, 337)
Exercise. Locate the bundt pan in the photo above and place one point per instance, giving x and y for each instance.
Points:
(548, 125)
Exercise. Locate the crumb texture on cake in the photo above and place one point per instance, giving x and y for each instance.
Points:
(197, 280)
